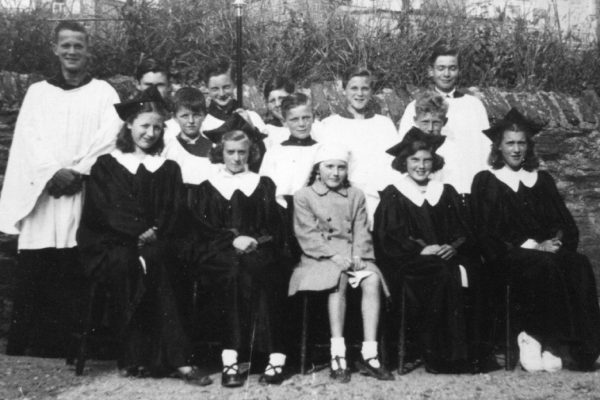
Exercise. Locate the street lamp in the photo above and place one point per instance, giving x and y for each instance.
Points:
(239, 11)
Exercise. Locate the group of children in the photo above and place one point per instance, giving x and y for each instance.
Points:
(259, 211)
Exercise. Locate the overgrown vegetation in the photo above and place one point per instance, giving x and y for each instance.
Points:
(312, 46)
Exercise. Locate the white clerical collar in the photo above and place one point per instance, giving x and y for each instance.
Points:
(512, 178)
(227, 183)
(449, 95)
(410, 189)
(132, 163)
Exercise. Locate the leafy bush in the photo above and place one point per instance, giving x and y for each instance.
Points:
(187, 34)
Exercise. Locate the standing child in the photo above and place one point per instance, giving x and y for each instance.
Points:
(330, 221)
(190, 148)
(276, 89)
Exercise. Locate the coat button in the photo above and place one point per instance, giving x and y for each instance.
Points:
(328, 237)
(331, 231)
(329, 219)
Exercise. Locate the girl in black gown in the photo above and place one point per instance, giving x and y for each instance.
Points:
(422, 243)
(131, 219)
(530, 238)
(237, 240)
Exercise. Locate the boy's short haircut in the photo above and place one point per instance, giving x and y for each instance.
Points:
(293, 100)
(431, 102)
(190, 98)
(150, 64)
(442, 49)
(358, 71)
(278, 83)
(69, 26)
(216, 68)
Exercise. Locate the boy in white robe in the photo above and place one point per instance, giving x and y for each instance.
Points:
(467, 117)
(64, 124)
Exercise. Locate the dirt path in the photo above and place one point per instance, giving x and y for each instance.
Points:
(35, 378)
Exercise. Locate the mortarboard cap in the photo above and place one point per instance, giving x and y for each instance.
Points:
(235, 123)
(416, 135)
(131, 107)
(513, 117)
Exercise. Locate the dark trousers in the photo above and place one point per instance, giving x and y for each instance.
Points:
(47, 302)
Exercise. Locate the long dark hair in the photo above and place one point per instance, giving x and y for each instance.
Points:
(399, 163)
(531, 161)
(124, 138)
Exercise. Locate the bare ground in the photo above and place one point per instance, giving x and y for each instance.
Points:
(37, 378)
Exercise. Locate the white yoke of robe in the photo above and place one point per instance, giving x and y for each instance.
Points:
(289, 168)
(370, 167)
(194, 169)
(56, 129)
(467, 118)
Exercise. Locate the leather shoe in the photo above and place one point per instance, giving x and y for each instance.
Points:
(367, 369)
(232, 380)
(272, 379)
(339, 374)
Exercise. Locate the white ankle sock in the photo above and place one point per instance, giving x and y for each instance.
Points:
(229, 357)
(276, 360)
(338, 349)
(369, 350)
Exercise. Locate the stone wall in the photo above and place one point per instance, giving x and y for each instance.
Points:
(569, 146)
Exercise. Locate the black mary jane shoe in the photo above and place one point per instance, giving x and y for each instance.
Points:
(367, 369)
(340, 374)
(232, 380)
(275, 379)
(194, 377)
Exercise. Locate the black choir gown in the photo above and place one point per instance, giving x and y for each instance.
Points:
(119, 206)
(436, 318)
(241, 288)
(554, 294)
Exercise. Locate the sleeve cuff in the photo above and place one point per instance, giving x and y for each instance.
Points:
(529, 244)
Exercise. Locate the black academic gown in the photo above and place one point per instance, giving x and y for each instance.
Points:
(435, 302)
(119, 206)
(554, 294)
(246, 287)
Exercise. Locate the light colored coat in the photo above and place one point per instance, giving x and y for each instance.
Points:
(327, 223)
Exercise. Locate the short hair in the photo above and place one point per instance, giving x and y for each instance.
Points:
(358, 71)
(531, 161)
(292, 101)
(190, 98)
(399, 163)
(69, 26)
(443, 49)
(216, 68)
(314, 174)
(124, 138)
(431, 102)
(216, 152)
(149, 64)
(278, 83)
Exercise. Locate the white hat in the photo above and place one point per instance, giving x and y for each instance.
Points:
(332, 151)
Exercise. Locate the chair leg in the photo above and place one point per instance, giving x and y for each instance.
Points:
(402, 333)
(304, 333)
(508, 352)
(87, 327)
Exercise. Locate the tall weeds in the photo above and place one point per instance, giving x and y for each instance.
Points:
(187, 34)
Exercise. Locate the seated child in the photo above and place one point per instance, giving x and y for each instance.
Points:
(330, 221)
(190, 148)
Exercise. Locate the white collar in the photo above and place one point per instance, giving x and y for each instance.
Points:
(512, 178)
(410, 190)
(227, 183)
(449, 95)
(132, 163)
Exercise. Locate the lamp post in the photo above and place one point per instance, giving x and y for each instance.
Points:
(239, 11)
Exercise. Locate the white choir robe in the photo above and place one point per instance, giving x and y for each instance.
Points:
(56, 129)
(194, 169)
(289, 168)
(278, 134)
(467, 118)
(370, 167)
(211, 122)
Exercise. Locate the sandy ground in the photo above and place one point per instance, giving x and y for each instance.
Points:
(36, 378)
